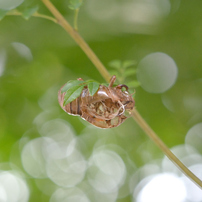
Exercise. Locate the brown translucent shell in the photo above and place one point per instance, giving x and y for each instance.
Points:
(105, 109)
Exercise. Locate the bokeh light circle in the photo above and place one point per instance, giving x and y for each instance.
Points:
(164, 187)
(13, 187)
(194, 193)
(192, 101)
(106, 171)
(194, 137)
(67, 171)
(33, 159)
(69, 195)
(157, 72)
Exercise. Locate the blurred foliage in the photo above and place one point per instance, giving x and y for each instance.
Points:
(75, 4)
(28, 12)
(125, 73)
(28, 89)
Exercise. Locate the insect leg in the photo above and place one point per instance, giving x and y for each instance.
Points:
(112, 80)
(122, 107)
(120, 86)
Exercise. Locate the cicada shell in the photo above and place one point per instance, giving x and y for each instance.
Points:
(105, 109)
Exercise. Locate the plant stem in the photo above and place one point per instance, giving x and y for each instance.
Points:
(136, 116)
(15, 12)
(76, 19)
(45, 17)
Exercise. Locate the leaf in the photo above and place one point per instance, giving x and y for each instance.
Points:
(133, 84)
(72, 94)
(2, 13)
(93, 87)
(89, 81)
(129, 63)
(71, 84)
(129, 72)
(115, 64)
(75, 4)
(27, 13)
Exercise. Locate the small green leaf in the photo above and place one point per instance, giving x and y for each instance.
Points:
(27, 13)
(133, 84)
(71, 84)
(129, 72)
(115, 64)
(89, 81)
(129, 63)
(2, 13)
(93, 87)
(72, 94)
(75, 4)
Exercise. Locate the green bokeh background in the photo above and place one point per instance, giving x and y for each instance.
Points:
(57, 59)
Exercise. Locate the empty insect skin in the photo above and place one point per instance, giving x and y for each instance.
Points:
(105, 109)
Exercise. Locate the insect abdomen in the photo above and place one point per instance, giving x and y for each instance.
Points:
(73, 107)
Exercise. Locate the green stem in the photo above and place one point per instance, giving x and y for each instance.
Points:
(45, 17)
(76, 19)
(136, 116)
(17, 13)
